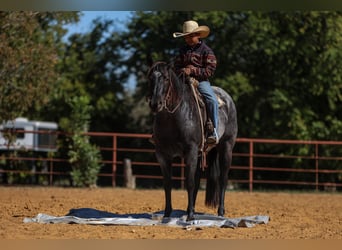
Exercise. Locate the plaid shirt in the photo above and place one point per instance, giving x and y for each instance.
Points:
(201, 57)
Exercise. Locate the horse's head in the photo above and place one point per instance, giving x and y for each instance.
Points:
(159, 80)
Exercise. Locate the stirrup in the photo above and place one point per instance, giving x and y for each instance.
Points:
(213, 138)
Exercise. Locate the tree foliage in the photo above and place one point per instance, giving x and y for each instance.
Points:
(283, 69)
(90, 65)
(28, 55)
(84, 157)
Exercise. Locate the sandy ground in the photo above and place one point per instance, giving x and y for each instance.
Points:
(293, 215)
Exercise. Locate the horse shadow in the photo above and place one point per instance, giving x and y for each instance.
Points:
(88, 213)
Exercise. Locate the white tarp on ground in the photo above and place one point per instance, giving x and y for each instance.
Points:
(177, 219)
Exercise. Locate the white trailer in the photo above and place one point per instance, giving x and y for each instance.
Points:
(36, 135)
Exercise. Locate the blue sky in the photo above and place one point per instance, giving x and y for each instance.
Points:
(87, 17)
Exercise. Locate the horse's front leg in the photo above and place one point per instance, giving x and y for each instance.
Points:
(192, 180)
(166, 169)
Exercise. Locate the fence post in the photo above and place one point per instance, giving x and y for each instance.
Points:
(316, 165)
(251, 149)
(128, 174)
(114, 161)
(51, 170)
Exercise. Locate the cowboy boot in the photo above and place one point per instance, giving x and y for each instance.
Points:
(213, 138)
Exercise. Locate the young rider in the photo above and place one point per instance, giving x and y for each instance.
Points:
(196, 59)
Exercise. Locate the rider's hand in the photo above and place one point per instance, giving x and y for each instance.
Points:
(186, 71)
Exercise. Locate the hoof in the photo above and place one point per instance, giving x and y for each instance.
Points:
(190, 217)
(221, 212)
(167, 213)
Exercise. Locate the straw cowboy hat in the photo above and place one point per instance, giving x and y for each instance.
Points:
(190, 27)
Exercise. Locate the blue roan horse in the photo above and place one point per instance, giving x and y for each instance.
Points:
(177, 133)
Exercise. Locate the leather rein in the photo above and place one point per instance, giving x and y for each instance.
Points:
(168, 101)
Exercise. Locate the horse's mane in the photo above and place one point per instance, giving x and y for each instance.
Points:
(156, 66)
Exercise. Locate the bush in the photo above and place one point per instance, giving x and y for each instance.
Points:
(84, 157)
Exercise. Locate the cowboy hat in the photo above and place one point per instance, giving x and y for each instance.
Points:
(191, 27)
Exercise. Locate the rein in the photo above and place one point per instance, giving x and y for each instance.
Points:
(169, 97)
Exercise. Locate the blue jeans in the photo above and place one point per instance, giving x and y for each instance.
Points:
(210, 99)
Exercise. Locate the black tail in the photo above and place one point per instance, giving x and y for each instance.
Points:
(212, 194)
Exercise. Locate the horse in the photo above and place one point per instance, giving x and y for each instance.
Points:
(177, 133)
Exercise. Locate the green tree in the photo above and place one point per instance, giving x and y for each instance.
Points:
(91, 65)
(28, 56)
(84, 157)
(283, 69)
(296, 83)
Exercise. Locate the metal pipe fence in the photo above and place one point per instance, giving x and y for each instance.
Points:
(257, 163)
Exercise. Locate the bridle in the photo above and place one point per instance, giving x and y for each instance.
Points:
(169, 97)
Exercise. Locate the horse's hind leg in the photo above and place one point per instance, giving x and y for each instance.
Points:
(225, 159)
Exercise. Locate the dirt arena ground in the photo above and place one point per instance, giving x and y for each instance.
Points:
(292, 215)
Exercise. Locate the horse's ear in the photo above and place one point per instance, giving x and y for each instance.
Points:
(149, 70)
